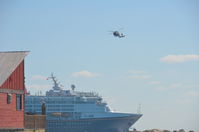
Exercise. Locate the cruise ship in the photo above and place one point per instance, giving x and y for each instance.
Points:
(73, 111)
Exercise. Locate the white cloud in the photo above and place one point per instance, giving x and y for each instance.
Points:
(154, 82)
(137, 72)
(191, 86)
(179, 58)
(183, 101)
(139, 76)
(188, 97)
(170, 86)
(175, 85)
(39, 87)
(85, 73)
(193, 93)
(38, 77)
(35, 88)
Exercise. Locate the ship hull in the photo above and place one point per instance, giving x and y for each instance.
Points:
(115, 124)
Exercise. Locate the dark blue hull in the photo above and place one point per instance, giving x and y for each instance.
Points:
(114, 124)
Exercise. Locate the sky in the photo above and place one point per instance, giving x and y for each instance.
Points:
(155, 65)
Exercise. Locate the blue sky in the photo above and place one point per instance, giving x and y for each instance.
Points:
(156, 64)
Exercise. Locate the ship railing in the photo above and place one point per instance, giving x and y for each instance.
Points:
(87, 94)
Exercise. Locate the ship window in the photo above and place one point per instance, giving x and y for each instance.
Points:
(18, 101)
(9, 98)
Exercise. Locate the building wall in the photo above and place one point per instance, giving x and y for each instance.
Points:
(16, 79)
(35, 121)
(10, 117)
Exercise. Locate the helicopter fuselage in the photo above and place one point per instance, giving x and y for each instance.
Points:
(117, 34)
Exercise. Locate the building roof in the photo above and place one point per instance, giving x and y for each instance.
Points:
(9, 62)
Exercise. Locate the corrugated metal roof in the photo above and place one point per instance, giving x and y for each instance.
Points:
(9, 62)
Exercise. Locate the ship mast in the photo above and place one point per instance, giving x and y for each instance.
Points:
(56, 84)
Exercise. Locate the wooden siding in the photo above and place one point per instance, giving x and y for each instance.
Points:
(9, 116)
(16, 80)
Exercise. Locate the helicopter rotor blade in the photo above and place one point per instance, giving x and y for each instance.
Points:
(120, 29)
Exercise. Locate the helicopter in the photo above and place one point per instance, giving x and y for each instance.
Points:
(117, 34)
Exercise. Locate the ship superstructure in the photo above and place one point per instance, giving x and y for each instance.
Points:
(73, 111)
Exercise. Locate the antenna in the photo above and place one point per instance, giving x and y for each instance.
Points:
(55, 82)
(139, 109)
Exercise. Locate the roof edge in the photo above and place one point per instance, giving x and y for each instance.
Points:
(6, 68)
(13, 51)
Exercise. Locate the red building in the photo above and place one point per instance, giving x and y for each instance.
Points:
(12, 90)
